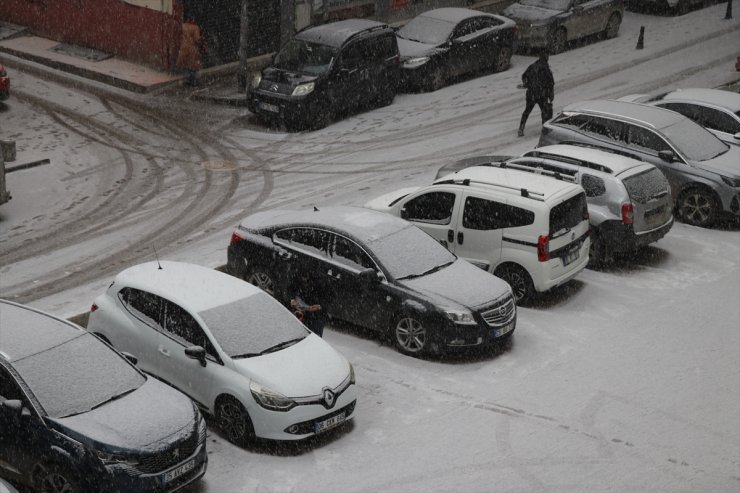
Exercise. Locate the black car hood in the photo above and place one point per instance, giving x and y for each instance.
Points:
(519, 12)
(284, 77)
(147, 419)
(459, 284)
(410, 49)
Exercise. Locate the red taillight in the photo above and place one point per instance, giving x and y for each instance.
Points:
(235, 238)
(628, 213)
(543, 248)
(93, 307)
(585, 214)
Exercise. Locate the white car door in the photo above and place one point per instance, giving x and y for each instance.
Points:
(432, 210)
(477, 237)
(139, 333)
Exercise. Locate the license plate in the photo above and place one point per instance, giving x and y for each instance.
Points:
(571, 257)
(178, 471)
(329, 423)
(269, 107)
(503, 330)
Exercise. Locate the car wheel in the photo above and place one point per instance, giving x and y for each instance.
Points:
(410, 335)
(698, 207)
(682, 7)
(597, 254)
(436, 80)
(612, 26)
(558, 41)
(262, 280)
(503, 60)
(233, 420)
(53, 478)
(519, 280)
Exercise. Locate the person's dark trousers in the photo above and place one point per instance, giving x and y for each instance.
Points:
(315, 325)
(545, 109)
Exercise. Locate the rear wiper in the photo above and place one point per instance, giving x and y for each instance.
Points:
(270, 349)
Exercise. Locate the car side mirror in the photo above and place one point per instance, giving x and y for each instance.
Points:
(667, 156)
(130, 357)
(369, 275)
(196, 352)
(404, 214)
(15, 406)
(736, 136)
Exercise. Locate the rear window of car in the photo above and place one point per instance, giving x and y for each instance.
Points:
(568, 214)
(646, 185)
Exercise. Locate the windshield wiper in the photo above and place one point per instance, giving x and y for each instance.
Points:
(433, 269)
(271, 349)
(117, 396)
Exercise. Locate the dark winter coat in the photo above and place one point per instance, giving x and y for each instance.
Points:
(538, 79)
(189, 56)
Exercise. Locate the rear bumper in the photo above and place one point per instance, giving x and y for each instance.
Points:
(622, 238)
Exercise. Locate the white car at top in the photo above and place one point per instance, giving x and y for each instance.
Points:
(237, 352)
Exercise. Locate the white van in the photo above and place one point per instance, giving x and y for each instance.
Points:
(530, 230)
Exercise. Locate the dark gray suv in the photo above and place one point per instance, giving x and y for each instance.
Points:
(703, 171)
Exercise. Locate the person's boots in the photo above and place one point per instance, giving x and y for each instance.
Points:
(520, 132)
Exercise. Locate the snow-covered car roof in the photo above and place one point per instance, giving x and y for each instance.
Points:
(511, 178)
(336, 33)
(455, 14)
(196, 287)
(656, 117)
(26, 331)
(363, 224)
(724, 99)
(615, 162)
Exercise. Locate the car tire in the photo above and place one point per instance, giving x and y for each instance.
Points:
(409, 335)
(597, 253)
(682, 7)
(233, 420)
(54, 478)
(558, 41)
(519, 280)
(503, 59)
(260, 278)
(386, 97)
(436, 80)
(612, 26)
(698, 207)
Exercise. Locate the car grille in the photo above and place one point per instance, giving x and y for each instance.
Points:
(500, 315)
(273, 87)
(168, 458)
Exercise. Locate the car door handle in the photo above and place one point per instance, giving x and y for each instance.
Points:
(331, 274)
(164, 351)
(285, 255)
(460, 238)
(450, 236)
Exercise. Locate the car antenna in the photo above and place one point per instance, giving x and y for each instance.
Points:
(157, 257)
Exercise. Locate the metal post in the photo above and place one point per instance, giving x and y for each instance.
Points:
(641, 39)
(728, 14)
(241, 77)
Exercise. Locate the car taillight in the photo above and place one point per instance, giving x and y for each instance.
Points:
(585, 214)
(93, 307)
(628, 213)
(543, 248)
(235, 238)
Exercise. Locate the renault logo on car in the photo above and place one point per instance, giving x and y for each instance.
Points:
(329, 398)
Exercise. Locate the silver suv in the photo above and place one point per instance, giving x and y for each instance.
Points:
(703, 171)
(629, 201)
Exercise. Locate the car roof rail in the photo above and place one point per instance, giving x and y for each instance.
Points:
(466, 182)
(541, 169)
(636, 157)
(570, 160)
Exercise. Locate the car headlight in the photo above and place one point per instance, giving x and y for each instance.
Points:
(733, 182)
(461, 317)
(109, 459)
(269, 399)
(304, 89)
(415, 62)
(256, 81)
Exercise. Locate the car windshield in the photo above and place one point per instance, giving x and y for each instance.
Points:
(77, 376)
(693, 141)
(548, 4)
(426, 30)
(253, 325)
(410, 252)
(309, 58)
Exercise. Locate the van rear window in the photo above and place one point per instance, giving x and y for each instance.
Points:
(568, 214)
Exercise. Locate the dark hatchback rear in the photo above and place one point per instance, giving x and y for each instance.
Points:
(327, 71)
(76, 416)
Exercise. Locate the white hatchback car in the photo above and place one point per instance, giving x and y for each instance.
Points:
(238, 353)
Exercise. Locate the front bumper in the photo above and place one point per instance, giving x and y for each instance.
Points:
(285, 109)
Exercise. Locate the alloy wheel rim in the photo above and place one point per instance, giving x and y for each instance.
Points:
(697, 208)
(232, 421)
(411, 335)
(262, 281)
(516, 282)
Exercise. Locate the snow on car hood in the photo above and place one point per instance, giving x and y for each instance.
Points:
(300, 370)
(408, 48)
(519, 12)
(461, 283)
(727, 164)
(147, 419)
(383, 202)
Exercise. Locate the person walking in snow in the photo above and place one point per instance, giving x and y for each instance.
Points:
(189, 56)
(540, 85)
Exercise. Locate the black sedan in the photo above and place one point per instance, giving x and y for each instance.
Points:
(376, 271)
(441, 44)
(76, 416)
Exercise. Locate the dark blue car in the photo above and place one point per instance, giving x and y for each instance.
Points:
(77, 416)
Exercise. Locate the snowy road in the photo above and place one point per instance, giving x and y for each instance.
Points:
(626, 380)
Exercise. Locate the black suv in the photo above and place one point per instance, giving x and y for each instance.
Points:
(76, 416)
(328, 70)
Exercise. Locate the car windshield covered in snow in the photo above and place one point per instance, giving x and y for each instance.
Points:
(77, 376)
(694, 141)
(426, 30)
(548, 4)
(410, 252)
(309, 58)
(253, 326)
